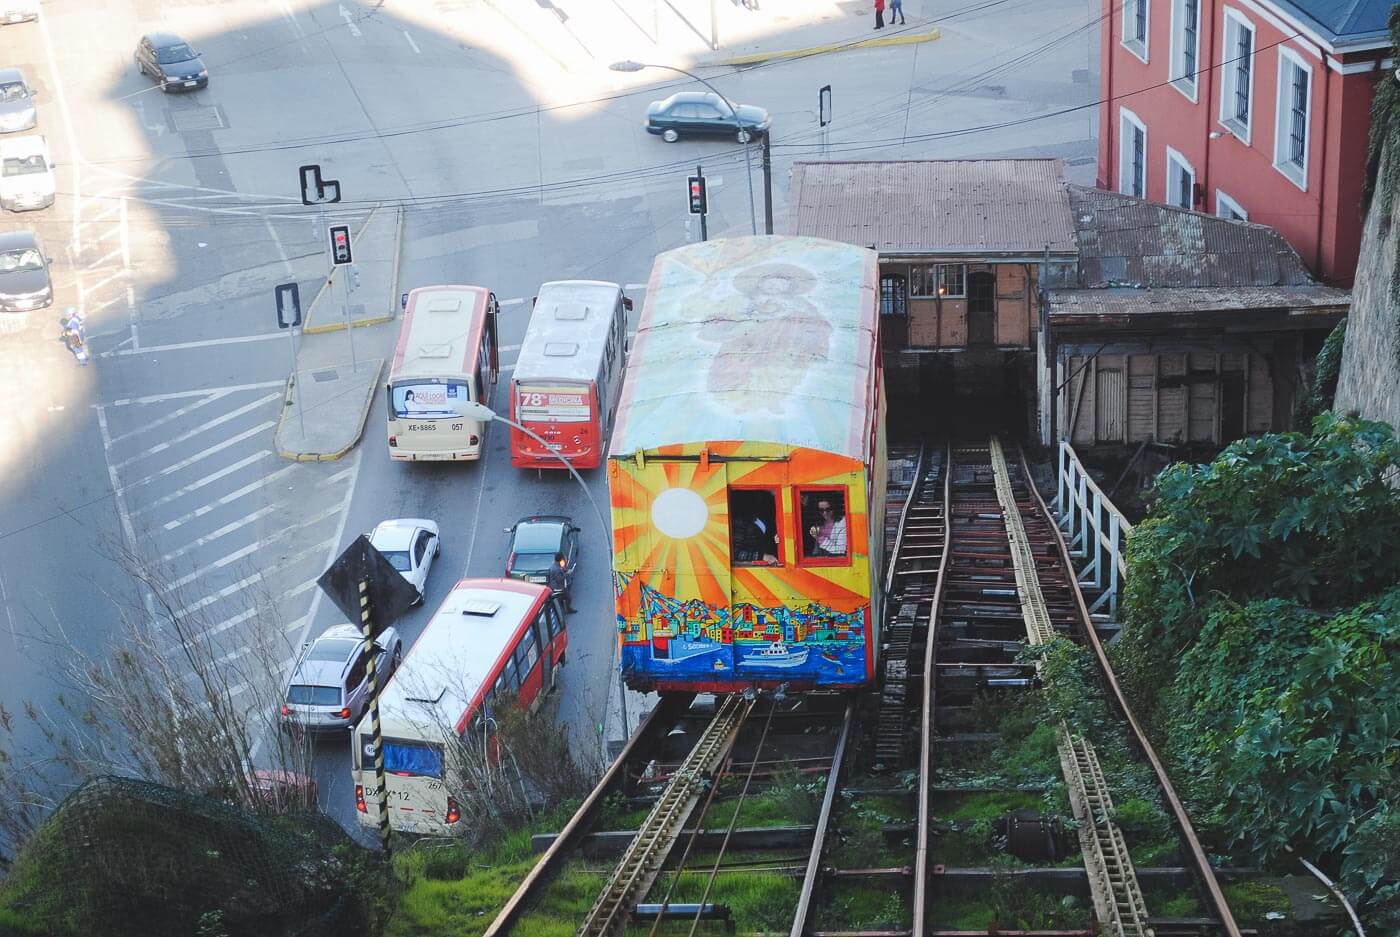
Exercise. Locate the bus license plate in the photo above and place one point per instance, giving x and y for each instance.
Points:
(554, 446)
(419, 427)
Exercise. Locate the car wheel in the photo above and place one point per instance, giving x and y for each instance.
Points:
(670, 135)
(745, 136)
(398, 659)
(437, 549)
(419, 600)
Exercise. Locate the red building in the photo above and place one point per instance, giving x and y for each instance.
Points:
(1250, 109)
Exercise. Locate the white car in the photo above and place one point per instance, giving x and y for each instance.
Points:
(18, 11)
(26, 173)
(410, 544)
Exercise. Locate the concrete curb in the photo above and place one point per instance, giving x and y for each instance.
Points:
(325, 456)
(308, 329)
(874, 42)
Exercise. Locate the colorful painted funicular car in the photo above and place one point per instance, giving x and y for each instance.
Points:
(747, 456)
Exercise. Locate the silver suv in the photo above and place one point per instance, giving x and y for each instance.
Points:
(329, 686)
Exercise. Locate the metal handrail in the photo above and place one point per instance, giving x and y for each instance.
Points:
(1095, 529)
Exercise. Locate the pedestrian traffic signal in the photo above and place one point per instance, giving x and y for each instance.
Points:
(340, 245)
(698, 204)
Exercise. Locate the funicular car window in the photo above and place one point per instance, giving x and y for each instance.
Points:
(753, 527)
(824, 532)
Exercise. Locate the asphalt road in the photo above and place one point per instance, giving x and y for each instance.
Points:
(519, 158)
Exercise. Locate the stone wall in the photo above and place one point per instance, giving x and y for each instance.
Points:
(1370, 377)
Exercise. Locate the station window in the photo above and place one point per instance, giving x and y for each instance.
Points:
(946, 280)
(753, 527)
(825, 537)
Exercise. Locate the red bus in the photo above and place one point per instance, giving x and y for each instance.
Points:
(491, 640)
(568, 375)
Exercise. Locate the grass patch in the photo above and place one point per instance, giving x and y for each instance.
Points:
(1251, 900)
(758, 900)
(451, 889)
(1180, 904)
(989, 805)
(1009, 904)
(562, 905)
(857, 906)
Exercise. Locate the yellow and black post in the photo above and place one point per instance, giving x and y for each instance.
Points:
(381, 788)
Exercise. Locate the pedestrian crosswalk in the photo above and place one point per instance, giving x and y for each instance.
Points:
(234, 537)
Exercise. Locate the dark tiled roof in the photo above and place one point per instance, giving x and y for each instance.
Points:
(1116, 302)
(1126, 241)
(950, 207)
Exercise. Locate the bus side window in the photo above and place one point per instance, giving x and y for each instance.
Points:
(551, 617)
(526, 654)
(509, 674)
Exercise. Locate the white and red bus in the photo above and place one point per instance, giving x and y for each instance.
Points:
(568, 375)
(447, 354)
(492, 642)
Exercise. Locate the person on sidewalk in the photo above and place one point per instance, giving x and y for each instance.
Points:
(879, 14)
(557, 578)
(897, 9)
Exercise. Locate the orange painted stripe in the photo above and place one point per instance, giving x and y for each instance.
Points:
(746, 580)
(706, 582)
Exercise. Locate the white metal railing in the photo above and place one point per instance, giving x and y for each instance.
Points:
(1095, 530)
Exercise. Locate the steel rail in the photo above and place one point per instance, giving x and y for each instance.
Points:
(1183, 821)
(909, 499)
(926, 709)
(833, 784)
(534, 878)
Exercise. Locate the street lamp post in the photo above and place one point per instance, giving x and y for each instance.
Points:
(743, 135)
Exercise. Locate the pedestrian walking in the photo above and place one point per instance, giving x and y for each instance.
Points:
(897, 9)
(557, 578)
(879, 14)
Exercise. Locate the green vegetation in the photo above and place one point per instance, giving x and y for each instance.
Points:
(1324, 387)
(853, 906)
(1251, 900)
(987, 805)
(1261, 629)
(1009, 904)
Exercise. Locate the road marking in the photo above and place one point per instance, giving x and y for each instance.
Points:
(116, 483)
(206, 480)
(349, 21)
(412, 43)
(68, 128)
(222, 594)
(291, 18)
(183, 411)
(84, 288)
(221, 627)
(512, 302)
(290, 561)
(103, 260)
(354, 472)
(298, 590)
(281, 251)
(204, 454)
(204, 427)
(195, 544)
(228, 498)
(633, 287)
(206, 343)
(220, 563)
(178, 395)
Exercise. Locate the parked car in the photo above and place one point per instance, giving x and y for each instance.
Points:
(410, 545)
(279, 790)
(535, 540)
(171, 62)
(17, 111)
(18, 11)
(704, 113)
(24, 273)
(329, 686)
(26, 173)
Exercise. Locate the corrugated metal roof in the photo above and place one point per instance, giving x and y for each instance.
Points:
(1123, 301)
(753, 339)
(1126, 241)
(970, 207)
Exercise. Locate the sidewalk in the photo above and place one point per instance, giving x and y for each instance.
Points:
(337, 370)
(617, 730)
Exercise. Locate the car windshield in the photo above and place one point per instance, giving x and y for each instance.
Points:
(302, 694)
(24, 165)
(532, 562)
(24, 259)
(538, 538)
(179, 52)
(13, 91)
(412, 759)
(333, 649)
(397, 559)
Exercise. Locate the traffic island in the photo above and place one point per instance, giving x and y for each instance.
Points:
(325, 408)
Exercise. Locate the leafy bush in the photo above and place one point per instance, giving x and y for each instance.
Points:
(1262, 643)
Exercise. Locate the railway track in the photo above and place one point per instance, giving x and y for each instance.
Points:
(949, 801)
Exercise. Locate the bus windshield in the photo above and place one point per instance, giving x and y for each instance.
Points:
(552, 403)
(412, 759)
(417, 400)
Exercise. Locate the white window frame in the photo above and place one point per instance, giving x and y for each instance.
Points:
(1226, 207)
(1180, 79)
(1125, 118)
(1289, 59)
(1234, 22)
(1175, 161)
(1138, 47)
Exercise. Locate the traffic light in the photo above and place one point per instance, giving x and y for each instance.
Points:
(698, 205)
(340, 245)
